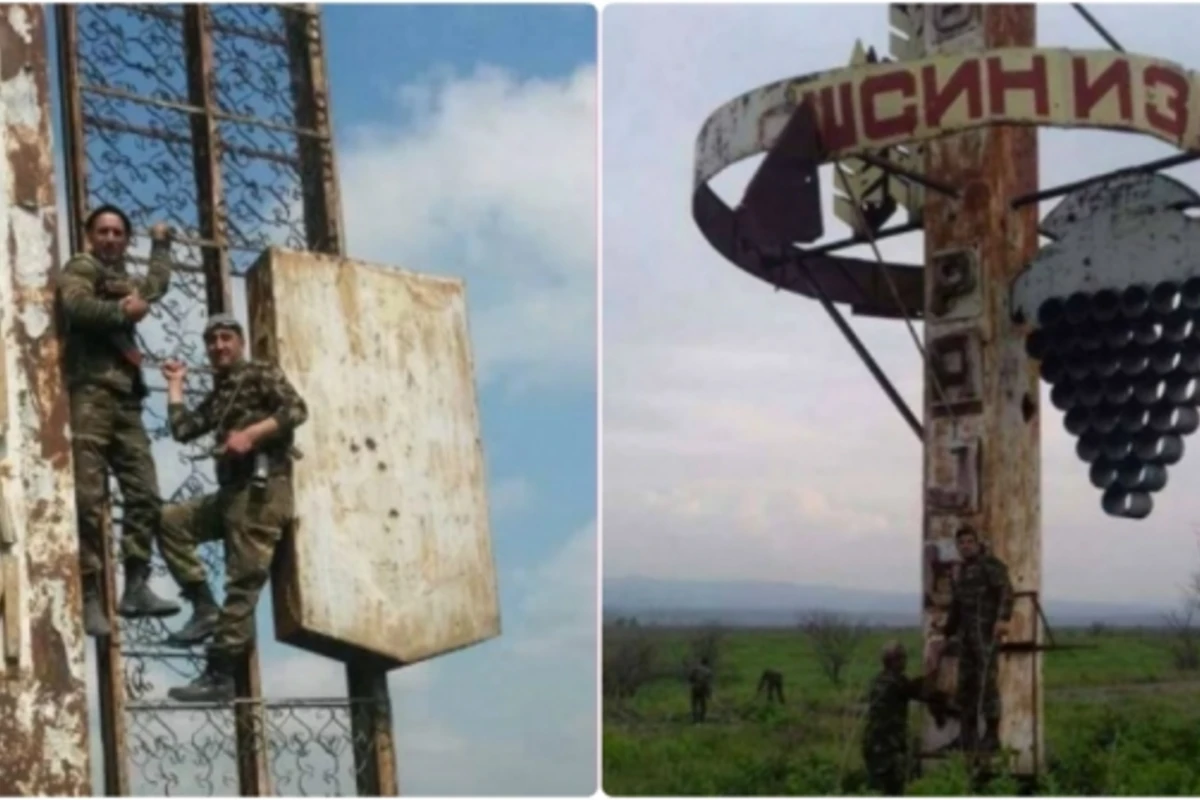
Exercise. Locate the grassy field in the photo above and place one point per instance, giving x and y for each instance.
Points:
(1120, 719)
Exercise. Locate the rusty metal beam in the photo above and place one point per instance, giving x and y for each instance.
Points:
(1157, 165)
(982, 457)
(110, 672)
(371, 722)
(318, 168)
(72, 120)
(163, 135)
(254, 778)
(206, 154)
(371, 716)
(43, 687)
(192, 108)
(109, 669)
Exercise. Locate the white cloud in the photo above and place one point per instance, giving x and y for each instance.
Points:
(510, 495)
(743, 438)
(492, 179)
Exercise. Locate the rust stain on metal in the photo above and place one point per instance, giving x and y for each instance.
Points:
(43, 706)
(310, 92)
(206, 161)
(993, 164)
(421, 524)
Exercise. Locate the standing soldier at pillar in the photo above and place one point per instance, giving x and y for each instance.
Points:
(101, 305)
(980, 609)
(253, 410)
(700, 680)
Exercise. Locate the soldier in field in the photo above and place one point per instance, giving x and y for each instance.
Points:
(100, 305)
(771, 681)
(700, 679)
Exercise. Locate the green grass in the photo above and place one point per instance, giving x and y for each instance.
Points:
(1119, 720)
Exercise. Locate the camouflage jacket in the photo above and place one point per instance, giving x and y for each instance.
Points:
(246, 393)
(982, 594)
(99, 339)
(701, 679)
(886, 730)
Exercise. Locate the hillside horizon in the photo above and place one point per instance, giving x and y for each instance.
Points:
(748, 603)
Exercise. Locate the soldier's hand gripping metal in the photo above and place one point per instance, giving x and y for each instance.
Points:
(133, 305)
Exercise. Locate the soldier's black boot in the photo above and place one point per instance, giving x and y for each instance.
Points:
(139, 600)
(95, 621)
(205, 612)
(991, 738)
(215, 684)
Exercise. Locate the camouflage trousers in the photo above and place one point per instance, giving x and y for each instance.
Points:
(699, 704)
(887, 766)
(978, 694)
(250, 522)
(107, 431)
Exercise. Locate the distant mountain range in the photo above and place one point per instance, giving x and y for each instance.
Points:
(750, 603)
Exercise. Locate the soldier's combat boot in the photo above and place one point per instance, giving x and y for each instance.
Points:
(95, 621)
(139, 600)
(215, 684)
(205, 612)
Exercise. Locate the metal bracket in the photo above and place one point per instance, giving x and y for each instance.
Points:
(750, 240)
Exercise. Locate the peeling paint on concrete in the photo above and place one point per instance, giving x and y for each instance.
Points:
(20, 99)
(20, 22)
(43, 707)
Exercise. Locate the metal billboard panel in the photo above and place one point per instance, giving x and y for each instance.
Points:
(391, 556)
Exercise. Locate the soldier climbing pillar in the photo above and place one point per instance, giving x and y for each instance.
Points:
(982, 423)
(43, 689)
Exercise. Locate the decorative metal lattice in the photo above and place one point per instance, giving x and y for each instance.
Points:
(214, 120)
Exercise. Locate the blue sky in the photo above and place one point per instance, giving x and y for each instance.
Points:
(465, 151)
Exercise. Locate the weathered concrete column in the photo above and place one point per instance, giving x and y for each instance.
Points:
(43, 688)
(982, 426)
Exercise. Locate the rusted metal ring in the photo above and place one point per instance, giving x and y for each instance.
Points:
(860, 283)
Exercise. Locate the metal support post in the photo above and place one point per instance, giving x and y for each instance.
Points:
(370, 714)
(977, 352)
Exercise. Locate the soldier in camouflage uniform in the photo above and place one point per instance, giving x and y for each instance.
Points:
(253, 410)
(885, 736)
(980, 609)
(700, 680)
(100, 306)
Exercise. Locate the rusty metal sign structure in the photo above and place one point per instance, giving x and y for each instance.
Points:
(216, 120)
(963, 101)
(391, 557)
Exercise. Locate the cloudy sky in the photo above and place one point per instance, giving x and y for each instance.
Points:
(743, 439)
(463, 151)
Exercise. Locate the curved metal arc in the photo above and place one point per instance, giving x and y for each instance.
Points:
(751, 123)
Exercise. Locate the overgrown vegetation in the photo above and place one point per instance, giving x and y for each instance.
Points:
(1121, 718)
